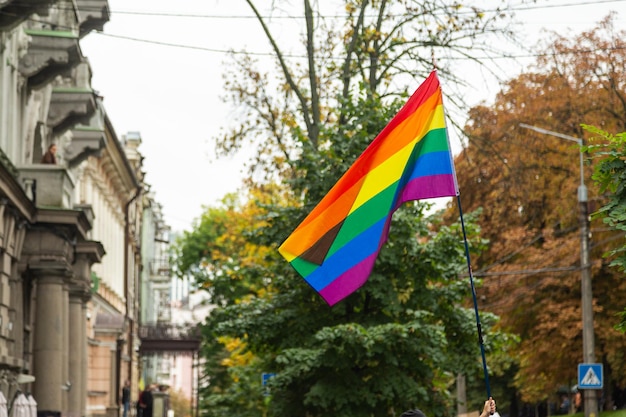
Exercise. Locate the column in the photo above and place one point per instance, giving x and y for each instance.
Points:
(77, 360)
(48, 259)
(67, 383)
(86, 254)
(84, 366)
(48, 344)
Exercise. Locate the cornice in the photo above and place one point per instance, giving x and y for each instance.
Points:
(116, 151)
(92, 249)
(76, 219)
(54, 270)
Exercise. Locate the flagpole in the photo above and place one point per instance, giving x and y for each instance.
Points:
(478, 326)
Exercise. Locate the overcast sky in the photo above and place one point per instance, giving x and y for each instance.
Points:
(171, 94)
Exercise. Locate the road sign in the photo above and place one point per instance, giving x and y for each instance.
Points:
(590, 376)
(265, 376)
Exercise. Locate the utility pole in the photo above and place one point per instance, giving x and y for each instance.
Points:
(589, 356)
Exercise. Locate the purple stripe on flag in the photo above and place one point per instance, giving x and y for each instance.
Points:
(349, 281)
(432, 186)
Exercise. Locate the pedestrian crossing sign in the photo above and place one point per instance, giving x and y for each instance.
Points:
(590, 376)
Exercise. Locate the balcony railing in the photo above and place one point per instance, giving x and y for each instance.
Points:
(160, 269)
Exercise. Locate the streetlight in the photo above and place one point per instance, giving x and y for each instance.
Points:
(590, 398)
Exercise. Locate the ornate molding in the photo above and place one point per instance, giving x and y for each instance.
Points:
(85, 143)
(50, 53)
(69, 107)
(102, 181)
(92, 15)
(80, 290)
(14, 12)
(86, 254)
(49, 248)
(55, 270)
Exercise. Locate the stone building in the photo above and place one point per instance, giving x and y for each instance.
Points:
(70, 230)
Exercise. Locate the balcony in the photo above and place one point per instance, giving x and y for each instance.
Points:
(69, 107)
(169, 338)
(86, 142)
(50, 53)
(47, 185)
(93, 14)
(160, 271)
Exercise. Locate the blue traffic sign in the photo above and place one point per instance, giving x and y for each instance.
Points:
(265, 376)
(590, 376)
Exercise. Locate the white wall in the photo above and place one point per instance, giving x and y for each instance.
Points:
(108, 226)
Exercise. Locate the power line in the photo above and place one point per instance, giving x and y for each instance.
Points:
(515, 8)
(520, 7)
(552, 5)
(225, 51)
(174, 45)
(527, 271)
(230, 51)
(199, 48)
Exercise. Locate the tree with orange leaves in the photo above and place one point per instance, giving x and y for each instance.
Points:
(526, 184)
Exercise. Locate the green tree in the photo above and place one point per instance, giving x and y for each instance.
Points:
(220, 258)
(610, 176)
(400, 341)
(397, 343)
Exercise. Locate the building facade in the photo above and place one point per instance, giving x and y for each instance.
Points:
(70, 222)
(170, 337)
(155, 280)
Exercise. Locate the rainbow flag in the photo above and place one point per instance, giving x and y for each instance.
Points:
(336, 245)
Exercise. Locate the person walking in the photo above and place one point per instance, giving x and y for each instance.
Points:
(126, 398)
(146, 401)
